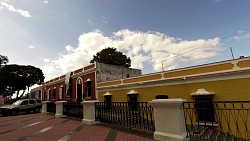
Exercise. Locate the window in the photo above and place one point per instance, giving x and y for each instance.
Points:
(133, 100)
(39, 95)
(204, 106)
(205, 109)
(108, 100)
(88, 87)
(48, 95)
(32, 102)
(61, 92)
(44, 96)
(54, 93)
(24, 102)
(79, 91)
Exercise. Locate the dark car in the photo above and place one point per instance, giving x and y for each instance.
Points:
(23, 105)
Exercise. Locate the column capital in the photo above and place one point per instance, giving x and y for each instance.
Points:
(167, 103)
(45, 101)
(57, 102)
(89, 102)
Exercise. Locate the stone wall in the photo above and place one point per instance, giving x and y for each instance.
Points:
(107, 72)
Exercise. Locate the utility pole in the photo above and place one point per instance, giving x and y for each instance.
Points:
(232, 52)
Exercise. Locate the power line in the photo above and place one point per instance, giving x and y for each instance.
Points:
(236, 33)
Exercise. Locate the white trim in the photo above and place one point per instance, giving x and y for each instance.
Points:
(132, 92)
(201, 92)
(72, 76)
(95, 85)
(60, 92)
(48, 94)
(235, 63)
(107, 94)
(78, 80)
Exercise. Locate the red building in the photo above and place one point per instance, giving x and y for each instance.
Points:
(80, 84)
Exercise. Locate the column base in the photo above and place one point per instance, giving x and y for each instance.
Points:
(60, 115)
(169, 137)
(89, 122)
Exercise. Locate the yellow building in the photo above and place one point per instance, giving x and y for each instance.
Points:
(220, 81)
(204, 86)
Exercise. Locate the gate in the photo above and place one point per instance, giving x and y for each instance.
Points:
(51, 107)
(73, 110)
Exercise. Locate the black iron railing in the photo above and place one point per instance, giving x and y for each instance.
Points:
(138, 115)
(73, 110)
(51, 107)
(218, 121)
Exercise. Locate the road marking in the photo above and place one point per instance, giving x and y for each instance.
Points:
(46, 129)
(32, 124)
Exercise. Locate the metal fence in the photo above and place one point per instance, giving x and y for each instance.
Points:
(51, 107)
(218, 121)
(137, 115)
(73, 110)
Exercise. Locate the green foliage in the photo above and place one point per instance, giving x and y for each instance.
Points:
(14, 78)
(111, 56)
(3, 60)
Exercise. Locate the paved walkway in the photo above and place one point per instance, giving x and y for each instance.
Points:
(45, 127)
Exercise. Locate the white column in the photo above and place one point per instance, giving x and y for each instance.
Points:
(89, 112)
(44, 106)
(169, 120)
(59, 108)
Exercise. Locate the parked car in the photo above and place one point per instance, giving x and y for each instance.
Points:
(23, 105)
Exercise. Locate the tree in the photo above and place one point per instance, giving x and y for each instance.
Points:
(3, 60)
(111, 56)
(14, 78)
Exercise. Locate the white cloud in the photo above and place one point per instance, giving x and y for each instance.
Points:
(45, 1)
(241, 35)
(47, 60)
(31, 47)
(13, 9)
(141, 47)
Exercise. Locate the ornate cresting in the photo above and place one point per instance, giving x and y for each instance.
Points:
(232, 120)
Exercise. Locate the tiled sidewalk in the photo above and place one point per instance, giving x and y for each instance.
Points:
(45, 127)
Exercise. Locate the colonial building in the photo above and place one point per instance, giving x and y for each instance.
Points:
(220, 81)
(80, 84)
(35, 93)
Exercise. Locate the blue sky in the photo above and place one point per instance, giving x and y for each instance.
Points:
(59, 36)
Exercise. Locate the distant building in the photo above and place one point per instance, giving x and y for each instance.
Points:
(81, 84)
(35, 93)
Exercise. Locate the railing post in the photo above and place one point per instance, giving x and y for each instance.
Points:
(59, 108)
(89, 112)
(44, 106)
(169, 120)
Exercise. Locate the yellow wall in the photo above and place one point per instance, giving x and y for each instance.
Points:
(235, 89)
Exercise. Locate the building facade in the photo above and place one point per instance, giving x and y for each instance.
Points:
(35, 93)
(220, 81)
(80, 84)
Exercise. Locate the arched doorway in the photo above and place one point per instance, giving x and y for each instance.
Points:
(79, 90)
